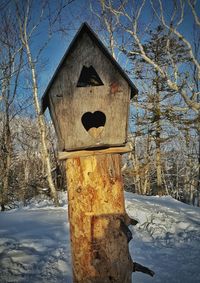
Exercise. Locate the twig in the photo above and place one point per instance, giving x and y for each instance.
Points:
(140, 268)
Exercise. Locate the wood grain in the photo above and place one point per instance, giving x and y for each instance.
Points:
(96, 133)
(81, 153)
(69, 102)
(96, 206)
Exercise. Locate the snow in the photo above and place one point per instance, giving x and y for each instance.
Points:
(35, 244)
(167, 239)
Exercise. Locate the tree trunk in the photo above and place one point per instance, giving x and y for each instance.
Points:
(6, 182)
(40, 118)
(96, 214)
(5, 179)
(158, 167)
(7, 148)
(198, 184)
(160, 188)
(147, 186)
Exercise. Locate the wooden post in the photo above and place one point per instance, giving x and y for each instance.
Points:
(96, 212)
(88, 99)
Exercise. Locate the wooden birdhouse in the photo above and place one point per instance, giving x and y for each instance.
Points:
(88, 96)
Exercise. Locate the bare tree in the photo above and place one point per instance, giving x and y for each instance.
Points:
(129, 16)
(171, 70)
(106, 23)
(23, 17)
(27, 27)
(196, 87)
(10, 67)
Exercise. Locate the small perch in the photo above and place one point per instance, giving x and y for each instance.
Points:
(124, 227)
(140, 268)
(129, 221)
(62, 155)
(126, 230)
(125, 221)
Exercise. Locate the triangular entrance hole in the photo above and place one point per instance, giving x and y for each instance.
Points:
(89, 77)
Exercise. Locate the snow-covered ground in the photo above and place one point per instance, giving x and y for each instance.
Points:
(35, 246)
(167, 239)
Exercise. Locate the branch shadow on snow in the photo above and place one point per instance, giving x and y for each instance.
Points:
(35, 247)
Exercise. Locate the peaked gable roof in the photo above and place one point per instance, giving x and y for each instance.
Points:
(86, 28)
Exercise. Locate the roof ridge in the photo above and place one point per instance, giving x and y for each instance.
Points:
(86, 28)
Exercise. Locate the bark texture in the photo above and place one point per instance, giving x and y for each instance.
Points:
(25, 39)
(96, 211)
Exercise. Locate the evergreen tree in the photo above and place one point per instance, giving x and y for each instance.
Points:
(160, 102)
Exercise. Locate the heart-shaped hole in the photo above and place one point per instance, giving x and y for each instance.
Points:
(94, 123)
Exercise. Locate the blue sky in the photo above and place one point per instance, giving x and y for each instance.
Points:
(78, 12)
(72, 17)
(56, 47)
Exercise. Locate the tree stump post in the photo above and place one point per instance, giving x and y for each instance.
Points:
(96, 211)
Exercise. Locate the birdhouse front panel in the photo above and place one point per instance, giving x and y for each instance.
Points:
(89, 98)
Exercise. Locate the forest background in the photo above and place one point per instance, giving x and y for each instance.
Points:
(156, 42)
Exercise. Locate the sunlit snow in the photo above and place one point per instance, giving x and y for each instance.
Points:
(35, 245)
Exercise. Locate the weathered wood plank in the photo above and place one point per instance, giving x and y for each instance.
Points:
(71, 102)
(83, 153)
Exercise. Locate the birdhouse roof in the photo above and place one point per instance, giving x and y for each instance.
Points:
(86, 28)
